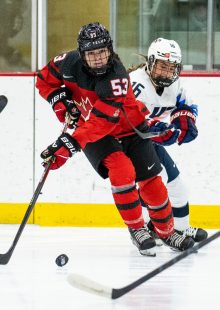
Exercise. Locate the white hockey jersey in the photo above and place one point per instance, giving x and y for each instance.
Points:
(160, 106)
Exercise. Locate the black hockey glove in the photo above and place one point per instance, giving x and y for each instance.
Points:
(58, 152)
(64, 107)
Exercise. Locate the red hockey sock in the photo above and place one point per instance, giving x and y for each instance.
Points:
(154, 194)
(122, 177)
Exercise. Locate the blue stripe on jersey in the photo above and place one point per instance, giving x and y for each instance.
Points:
(180, 102)
(159, 111)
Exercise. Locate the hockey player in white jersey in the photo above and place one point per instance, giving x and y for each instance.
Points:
(156, 83)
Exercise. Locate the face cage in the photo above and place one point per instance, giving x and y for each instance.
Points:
(160, 81)
(99, 70)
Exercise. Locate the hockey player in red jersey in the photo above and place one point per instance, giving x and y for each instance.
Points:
(92, 86)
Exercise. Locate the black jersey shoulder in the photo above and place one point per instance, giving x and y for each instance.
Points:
(63, 62)
(72, 70)
(67, 61)
(116, 75)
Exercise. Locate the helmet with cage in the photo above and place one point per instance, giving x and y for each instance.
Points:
(95, 48)
(164, 62)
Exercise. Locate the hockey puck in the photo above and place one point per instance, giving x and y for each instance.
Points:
(62, 260)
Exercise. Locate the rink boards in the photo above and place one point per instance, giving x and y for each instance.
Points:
(93, 215)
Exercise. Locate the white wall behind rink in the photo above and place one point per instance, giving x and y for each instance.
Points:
(28, 125)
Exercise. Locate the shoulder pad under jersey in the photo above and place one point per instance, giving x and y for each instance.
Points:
(66, 61)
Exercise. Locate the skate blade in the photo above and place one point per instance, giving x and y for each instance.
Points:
(148, 252)
(158, 242)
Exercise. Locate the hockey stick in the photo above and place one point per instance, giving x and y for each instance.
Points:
(3, 102)
(90, 286)
(149, 134)
(4, 258)
(144, 135)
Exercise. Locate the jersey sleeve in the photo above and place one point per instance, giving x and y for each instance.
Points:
(183, 101)
(49, 78)
(182, 96)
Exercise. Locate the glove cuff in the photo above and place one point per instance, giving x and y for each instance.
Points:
(182, 113)
(70, 144)
(152, 121)
(59, 95)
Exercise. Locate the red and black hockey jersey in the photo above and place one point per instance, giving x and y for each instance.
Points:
(99, 98)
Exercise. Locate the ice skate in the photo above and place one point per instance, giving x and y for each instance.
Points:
(178, 242)
(143, 241)
(197, 234)
(151, 231)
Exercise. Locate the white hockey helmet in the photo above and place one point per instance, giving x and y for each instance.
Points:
(167, 51)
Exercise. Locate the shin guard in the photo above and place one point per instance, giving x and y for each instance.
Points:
(154, 194)
(122, 178)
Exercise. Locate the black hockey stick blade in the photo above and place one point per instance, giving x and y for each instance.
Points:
(3, 102)
(93, 287)
(147, 134)
(4, 258)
